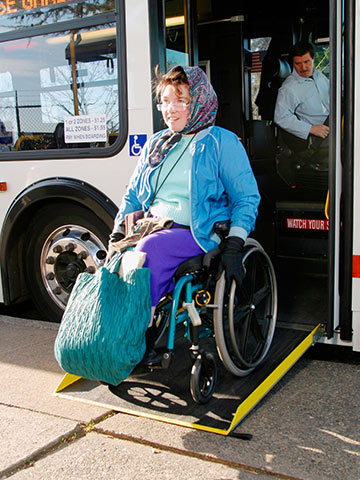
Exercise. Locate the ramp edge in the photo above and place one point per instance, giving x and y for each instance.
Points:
(67, 380)
(256, 396)
(136, 413)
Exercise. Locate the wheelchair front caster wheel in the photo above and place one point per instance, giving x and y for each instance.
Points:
(203, 378)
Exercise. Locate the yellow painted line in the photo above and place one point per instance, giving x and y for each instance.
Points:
(68, 379)
(255, 397)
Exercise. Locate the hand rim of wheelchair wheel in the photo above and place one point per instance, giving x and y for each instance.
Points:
(258, 357)
(232, 358)
(203, 378)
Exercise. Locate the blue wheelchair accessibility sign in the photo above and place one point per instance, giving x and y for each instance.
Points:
(136, 143)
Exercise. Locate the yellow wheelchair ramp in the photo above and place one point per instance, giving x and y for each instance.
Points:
(164, 395)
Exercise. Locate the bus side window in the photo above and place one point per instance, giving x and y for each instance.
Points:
(59, 140)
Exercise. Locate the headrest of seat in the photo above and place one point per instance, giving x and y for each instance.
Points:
(284, 69)
(275, 67)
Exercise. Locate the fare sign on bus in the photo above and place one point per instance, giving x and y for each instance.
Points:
(14, 6)
(85, 128)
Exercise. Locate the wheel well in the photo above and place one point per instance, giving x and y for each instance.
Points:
(12, 265)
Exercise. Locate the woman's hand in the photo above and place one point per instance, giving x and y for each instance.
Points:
(116, 237)
(119, 235)
(231, 260)
(113, 238)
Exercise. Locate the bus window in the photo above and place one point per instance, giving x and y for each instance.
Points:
(6, 139)
(20, 14)
(258, 47)
(176, 34)
(322, 56)
(47, 78)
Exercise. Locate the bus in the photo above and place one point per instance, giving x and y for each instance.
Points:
(77, 107)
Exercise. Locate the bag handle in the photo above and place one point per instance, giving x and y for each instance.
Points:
(114, 264)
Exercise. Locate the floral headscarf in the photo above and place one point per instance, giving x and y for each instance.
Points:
(202, 113)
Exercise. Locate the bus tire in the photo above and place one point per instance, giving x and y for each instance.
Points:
(64, 240)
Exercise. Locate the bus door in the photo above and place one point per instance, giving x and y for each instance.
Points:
(245, 48)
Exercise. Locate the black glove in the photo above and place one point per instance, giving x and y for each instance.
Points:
(117, 236)
(113, 238)
(231, 260)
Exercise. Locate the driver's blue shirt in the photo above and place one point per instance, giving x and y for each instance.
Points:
(302, 102)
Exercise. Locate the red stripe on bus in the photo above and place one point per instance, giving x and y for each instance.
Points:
(356, 266)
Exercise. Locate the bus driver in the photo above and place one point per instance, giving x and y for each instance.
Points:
(302, 105)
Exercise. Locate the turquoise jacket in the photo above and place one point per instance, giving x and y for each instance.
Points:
(222, 186)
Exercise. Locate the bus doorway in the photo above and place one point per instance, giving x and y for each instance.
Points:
(245, 49)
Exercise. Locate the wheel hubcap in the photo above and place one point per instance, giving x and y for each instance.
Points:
(67, 252)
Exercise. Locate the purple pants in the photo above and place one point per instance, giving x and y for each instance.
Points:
(165, 250)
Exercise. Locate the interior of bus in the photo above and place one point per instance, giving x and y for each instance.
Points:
(244, 47)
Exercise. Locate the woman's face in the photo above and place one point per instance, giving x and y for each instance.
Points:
(175, 107)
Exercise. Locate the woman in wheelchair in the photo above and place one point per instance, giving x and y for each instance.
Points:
(196, 174)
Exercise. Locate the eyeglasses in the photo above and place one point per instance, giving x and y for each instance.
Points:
(180, 106)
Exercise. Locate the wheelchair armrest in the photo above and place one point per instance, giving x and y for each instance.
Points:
(222, 228)
(209, 256)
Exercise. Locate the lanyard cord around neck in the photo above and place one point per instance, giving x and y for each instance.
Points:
(157, 188)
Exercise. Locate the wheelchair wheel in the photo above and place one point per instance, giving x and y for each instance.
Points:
(203, 378)
(244, 321)
(161, 318)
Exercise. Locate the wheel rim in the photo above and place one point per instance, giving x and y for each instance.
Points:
(250, 313)
(206, 380)
(161, 319)
(224, 339)
(203, 378)
(68, 251)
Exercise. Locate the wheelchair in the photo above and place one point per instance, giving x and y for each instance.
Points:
(242, 322)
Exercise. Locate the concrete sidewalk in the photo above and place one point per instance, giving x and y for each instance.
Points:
(307, 427)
